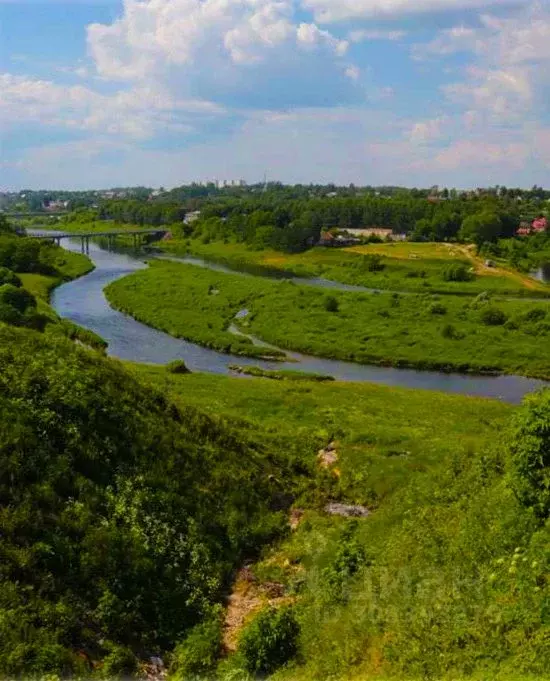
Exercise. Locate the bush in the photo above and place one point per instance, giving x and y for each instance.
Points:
(17, 298)
(492, 316)
(449, 331)
(438, 308)
(530, 453)
(120, 661)
(269, 641)
(373, 262)
(200, 651)
(9, 277)
(534, 315)
(457, 272)
(178, 366)
(331, 304)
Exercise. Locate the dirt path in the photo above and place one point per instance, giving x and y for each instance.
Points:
(481, 268)
(247, 598)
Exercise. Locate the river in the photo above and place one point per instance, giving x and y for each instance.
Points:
(84, 302)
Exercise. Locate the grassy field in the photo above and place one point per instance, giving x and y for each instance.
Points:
(420, 331)
(447, 579)
(406, 266)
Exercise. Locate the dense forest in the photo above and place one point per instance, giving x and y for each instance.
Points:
(286, 222)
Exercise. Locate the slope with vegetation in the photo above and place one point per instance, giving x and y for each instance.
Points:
(448, 576)
(123, 515)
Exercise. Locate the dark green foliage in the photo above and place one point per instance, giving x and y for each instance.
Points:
(120, 662)
(331, 304)
(348, 559)
(269, 641)
(373, 263)
(16, 297)
(9, 277)
(200, 651)
(122, 515)
(450, 332)
(481, 228)
(438, 308)
(178, 366)
(537, 314)
(493, 316)
(457, 272)
(530, 453)
(18, 308)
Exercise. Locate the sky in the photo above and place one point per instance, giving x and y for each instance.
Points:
(106, 93)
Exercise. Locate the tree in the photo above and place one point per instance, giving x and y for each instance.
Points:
(530, 453)
(480, 227)
(5, 226)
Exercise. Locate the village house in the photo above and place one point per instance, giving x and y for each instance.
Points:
(329, 239)
(538, 225)
(191, 217)
(383, 233)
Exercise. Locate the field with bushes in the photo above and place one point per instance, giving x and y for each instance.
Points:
(422, 331)
(419, 267)
(446, 579)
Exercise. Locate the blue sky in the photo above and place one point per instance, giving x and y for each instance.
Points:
(164, 92)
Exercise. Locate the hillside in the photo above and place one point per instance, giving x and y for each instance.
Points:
(123, 516)
(447, 578)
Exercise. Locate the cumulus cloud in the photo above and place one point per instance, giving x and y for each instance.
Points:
(328, 11)
(137, 113)
(508, 79)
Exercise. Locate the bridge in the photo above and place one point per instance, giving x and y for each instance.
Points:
(110, 235)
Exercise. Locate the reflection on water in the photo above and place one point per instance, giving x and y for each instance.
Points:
(83, 302)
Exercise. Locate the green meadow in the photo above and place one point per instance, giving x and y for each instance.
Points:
(451, 333)
(415, 267)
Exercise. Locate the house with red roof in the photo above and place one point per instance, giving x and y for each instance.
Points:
(540, 224)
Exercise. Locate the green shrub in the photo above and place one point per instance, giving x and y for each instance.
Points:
(530, 453)
(200, 651)
(373, 262)
(449, 331)
(178, 366)
(438, 308)
(537, 314)
(457, 272)
(120, 661)
(331, 304)
(18, 298)
(492, 316)
(349, 558)
(269, 641)
(9, 277)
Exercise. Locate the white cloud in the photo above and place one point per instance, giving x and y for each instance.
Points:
(199, 34)
(353, 72)
(361, 35)
(138, 113)
(424, 132)
(507, 79)
(328, 11)
(474, 154)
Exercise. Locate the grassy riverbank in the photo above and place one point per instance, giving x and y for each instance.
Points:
(447, 577)
(424, 332)
(66, 266)
(406, 266)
